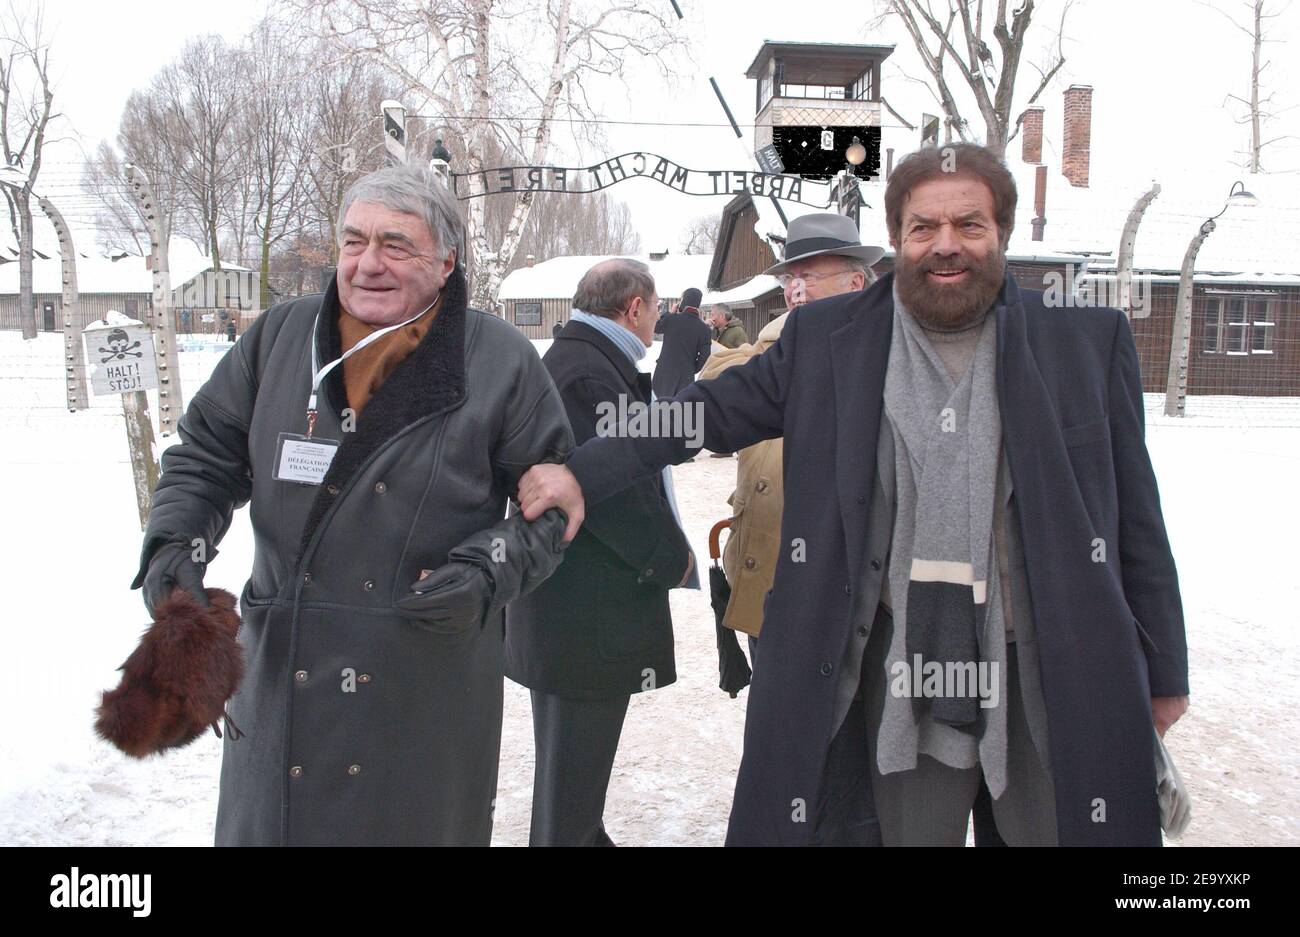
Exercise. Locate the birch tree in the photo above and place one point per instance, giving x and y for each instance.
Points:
(502, 70)
(1258, 110)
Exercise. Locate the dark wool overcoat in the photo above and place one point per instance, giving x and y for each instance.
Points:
(1110, 633)
(600, 627)
(360, 726)
(686, 342)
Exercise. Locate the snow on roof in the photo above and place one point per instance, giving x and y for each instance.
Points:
(112, 319)
(558, 277)
(97, 273)
(1248, 242)
(745, 293)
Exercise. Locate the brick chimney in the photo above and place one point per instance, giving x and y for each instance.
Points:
(1031, 141)
(1077, 151)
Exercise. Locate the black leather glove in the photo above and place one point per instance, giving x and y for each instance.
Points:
(172, 565)
(451, 599)
(487, 571)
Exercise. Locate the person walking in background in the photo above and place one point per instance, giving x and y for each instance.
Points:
(685, 346)
(600, 630)
(727, 330)
(823, 257)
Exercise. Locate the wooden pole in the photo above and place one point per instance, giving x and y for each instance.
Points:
(135, 409)
(139, 439)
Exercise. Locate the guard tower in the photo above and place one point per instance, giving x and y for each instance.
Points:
(813, 100)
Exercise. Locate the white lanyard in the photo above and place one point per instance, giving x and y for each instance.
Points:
(319, 373)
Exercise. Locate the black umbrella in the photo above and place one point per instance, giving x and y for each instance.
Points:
(733, 670)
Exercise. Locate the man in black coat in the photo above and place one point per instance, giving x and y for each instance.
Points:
(685, 349)
(600, 629)
(375, 433)
(1063, 577)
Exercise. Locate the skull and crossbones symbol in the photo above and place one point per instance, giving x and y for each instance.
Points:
(118, 348)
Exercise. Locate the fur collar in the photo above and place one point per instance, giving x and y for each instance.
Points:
(429, 381)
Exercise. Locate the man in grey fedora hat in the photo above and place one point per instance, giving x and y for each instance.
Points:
(824, 256)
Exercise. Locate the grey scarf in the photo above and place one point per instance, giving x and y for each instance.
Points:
(942, 575)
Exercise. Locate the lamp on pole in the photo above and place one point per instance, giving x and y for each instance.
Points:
(848, 195)
(1176, 380)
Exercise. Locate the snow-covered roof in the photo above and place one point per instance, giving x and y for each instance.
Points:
(745, 293)
(558, 277)
(1249, 242)
(97, 273)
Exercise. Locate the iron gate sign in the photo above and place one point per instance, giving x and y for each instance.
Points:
(585, 179)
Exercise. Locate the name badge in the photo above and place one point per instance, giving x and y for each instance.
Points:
(303, 459)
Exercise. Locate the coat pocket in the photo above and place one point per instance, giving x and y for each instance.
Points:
(1084, 433)
(1145, 637)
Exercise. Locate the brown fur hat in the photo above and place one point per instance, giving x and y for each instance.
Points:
(176, 682)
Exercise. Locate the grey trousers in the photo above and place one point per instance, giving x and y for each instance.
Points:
(931, 804)
(576, 742)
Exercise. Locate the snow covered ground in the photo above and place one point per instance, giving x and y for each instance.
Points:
(71, 537)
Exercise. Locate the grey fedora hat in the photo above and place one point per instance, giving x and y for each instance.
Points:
(824, 233)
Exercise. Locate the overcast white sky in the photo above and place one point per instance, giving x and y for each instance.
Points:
(1160, 70)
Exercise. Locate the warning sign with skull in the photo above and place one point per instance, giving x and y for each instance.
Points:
(121, 358)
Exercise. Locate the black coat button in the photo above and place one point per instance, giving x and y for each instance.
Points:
(875, 564)
(861, 500)
(848, 590)
(380, 488)
(332, 489)
(864, 630)
(368, 585)
(301, 676)
(306, 579)
(826, 669)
